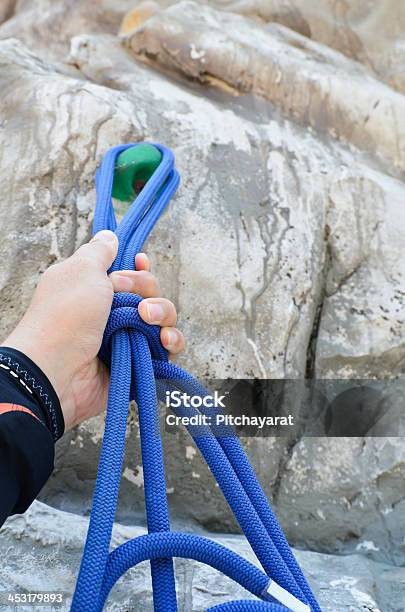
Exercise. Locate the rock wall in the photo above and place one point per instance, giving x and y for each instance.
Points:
(292, 161)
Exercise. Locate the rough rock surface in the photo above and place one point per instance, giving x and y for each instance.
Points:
(6, 10)
(306, 211)
(39, 559)
(370, 32)
(48, 25)
(306, 81)
(52, 130)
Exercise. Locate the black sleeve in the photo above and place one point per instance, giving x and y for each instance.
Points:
(31, 421)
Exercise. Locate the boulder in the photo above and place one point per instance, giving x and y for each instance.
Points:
(306, 81)
(370, 33)
(49, 560)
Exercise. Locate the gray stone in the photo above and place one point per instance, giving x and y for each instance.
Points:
(39, 559)
(47, 26)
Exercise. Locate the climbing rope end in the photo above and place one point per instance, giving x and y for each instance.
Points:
(277, 592)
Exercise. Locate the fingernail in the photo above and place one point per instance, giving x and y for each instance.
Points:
(106, 235)
(171, 338)
(125, 282)
(155, 313)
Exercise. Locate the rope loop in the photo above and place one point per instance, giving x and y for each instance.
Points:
(140, 369)
(125, 316)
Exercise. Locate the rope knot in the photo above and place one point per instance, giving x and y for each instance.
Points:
(124, 315)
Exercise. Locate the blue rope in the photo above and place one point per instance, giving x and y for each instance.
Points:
(140, 370)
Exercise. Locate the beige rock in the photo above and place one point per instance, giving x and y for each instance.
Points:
(7, 8)
(307, 82)
(369, 32)
(137, 16)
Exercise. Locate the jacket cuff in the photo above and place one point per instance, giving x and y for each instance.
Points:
(35, 385)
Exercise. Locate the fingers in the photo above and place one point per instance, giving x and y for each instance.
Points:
(101, 250)
(172, 339)
(142, 262)
(158, 311)
(140, 282)
(153, 310)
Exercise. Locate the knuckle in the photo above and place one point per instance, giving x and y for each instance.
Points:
(51, 273)
(152, 281)
(52, 270)
(58, 274)
(149, 283)
(82, 263)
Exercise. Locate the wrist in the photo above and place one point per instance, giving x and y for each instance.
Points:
(34, 389)
(41, 349)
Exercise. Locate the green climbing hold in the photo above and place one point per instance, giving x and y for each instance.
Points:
(133, 169)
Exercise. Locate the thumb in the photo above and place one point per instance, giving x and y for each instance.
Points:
(102, 249)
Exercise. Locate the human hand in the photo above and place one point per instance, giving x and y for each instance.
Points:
(63, 327)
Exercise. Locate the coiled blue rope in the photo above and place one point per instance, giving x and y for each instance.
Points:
(140, 370)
